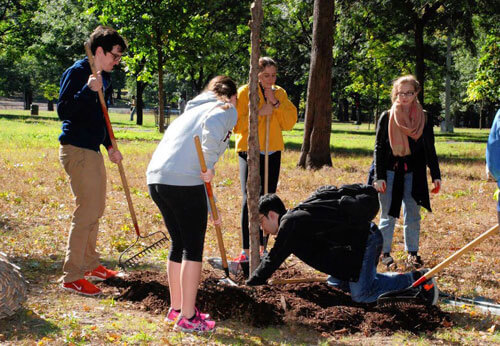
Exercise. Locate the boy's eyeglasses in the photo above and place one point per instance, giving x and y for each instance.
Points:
(116, 57)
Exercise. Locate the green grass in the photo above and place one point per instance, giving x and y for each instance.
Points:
(21, 130)
(36, 205)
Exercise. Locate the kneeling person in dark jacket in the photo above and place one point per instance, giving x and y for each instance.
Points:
(332, 232)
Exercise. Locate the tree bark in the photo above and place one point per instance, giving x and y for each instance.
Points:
(253, 181)
(447, 125)
(161, 97)
(318, 120)
(140, 86)
(419, 57)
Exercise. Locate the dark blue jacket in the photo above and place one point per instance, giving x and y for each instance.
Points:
(79, 108)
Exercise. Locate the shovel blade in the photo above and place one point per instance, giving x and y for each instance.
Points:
(216, 263)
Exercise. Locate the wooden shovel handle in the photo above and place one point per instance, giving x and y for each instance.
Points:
(213, 207)
(455, 256)
(296, 280)
(113, 141)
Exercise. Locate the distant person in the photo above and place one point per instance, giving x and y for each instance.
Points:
(493, 155)
(273, 102)
(176, 185)
(404, 148)
(332, 232)
(83, 132)
(133, 105)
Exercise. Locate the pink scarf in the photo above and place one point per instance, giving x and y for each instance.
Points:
(402, 126)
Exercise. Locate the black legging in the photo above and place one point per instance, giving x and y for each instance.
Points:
(274, 172)
(184, 210)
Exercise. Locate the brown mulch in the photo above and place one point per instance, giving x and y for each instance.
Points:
(312, 305)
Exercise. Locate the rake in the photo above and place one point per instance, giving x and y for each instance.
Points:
(412, 294)
(134, 259)
(215, 215)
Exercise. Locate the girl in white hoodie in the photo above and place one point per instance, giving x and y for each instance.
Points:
(176, 185)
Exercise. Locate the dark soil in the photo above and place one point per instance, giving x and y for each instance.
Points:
(313, 305)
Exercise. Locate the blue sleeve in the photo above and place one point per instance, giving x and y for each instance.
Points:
(493, 149)
(74, 94)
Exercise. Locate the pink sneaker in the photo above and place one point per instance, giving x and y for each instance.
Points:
(173, 314)
(197, 325)
(241, 258)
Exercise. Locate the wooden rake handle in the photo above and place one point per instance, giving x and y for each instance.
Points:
(215, 214)
(455, 256)
(296, 280)
(113, 141)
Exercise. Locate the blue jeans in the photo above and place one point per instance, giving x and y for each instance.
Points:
(372, 284)
(411, 213)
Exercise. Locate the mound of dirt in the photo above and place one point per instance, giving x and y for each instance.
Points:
(313, 305)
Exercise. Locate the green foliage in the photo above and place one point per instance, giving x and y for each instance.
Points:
(486, 85)
(50, 91)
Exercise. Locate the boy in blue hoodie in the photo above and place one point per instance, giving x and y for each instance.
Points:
(83, 132)
(493, 154)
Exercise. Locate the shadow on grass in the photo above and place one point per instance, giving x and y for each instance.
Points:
(27, 118)
(25, 324)
(473, 321)
(343, 152)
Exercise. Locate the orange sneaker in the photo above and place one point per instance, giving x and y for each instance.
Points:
(100, 273)
(81, 286)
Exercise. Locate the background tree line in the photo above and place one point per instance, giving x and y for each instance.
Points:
(177, 46)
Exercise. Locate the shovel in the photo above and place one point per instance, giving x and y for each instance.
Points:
(297, 280)
(410, 295)
(215, 214)
(133, 259)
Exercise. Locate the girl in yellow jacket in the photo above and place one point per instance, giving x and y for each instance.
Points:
(273, 102)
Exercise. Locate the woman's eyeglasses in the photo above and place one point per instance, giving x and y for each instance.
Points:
(406, 94)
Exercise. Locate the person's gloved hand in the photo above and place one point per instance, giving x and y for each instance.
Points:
(437, 186)
(255, 281)
(380, 185)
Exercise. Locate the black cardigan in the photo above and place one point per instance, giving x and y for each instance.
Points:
(423, 154)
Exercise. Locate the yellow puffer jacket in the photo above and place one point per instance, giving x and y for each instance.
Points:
(283, 119)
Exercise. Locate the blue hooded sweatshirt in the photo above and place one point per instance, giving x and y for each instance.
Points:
(79, 108)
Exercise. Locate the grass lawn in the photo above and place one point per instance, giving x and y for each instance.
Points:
(36, 206)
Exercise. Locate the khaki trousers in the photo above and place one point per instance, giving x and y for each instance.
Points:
(87, 176)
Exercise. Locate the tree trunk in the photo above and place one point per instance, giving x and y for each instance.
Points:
(419, 57)
(50, 105)
(253, 181)
(318, 120)
(161, 97)
(481, 115)
(28, 98)
(140, 86)
(448, 121)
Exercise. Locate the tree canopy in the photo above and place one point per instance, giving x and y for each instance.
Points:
(188, 42)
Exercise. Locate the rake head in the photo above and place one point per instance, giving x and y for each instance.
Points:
(134, 260)
(425, 294)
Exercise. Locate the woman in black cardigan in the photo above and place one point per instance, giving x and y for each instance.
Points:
(404, 147)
